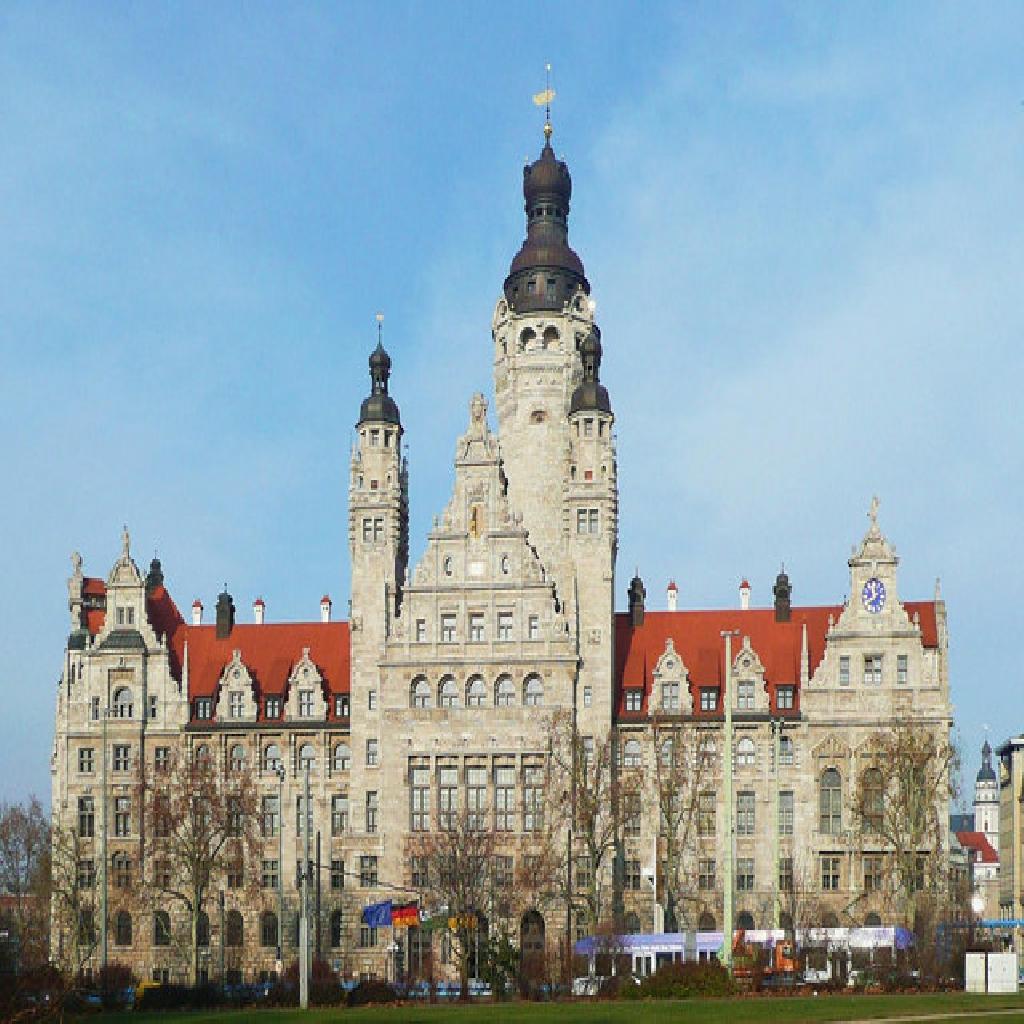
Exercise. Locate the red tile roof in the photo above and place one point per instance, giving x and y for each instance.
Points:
(977, 843)
(696, 636)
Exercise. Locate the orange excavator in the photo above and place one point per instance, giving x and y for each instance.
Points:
(781, 968)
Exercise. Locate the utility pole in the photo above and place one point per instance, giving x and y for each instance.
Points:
(222, 938)
(280, 869)
(103, 844)
(730, 879)
(304, 917)
(777, 746)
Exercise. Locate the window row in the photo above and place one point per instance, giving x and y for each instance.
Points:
(708, 698)
(745, 755)
(872, 668)
(476, 693)
(477, 797)
(203, 708)
(477, 628)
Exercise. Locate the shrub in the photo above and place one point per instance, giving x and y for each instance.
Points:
(112, 982)
(372, 992)
(179, 997)
(684, 980)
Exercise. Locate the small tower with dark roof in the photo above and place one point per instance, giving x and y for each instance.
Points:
(783, 592)
(986, 798)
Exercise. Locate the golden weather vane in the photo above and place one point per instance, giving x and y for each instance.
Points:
(543, 99)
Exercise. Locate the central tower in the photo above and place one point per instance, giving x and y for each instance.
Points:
(555, 422)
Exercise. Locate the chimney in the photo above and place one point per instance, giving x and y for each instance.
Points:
(671, 594)
(197, 612)
(325, 608)
(258, 608)
(744, 595)
(783, 592)
(225, 614)
(636, 600)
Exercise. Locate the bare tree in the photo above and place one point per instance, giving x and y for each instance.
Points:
(203, 823)
(682, 769)
(73, 900)
(901, 806)
(24, 874)
(453, 869)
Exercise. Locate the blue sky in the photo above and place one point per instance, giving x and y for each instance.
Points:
(804, 227)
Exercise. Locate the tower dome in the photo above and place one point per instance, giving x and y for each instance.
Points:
(546, 272)
(379, 407)
(591, 393)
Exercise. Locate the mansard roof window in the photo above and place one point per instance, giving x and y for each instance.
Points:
(341, 706)
(784, 696)
(272, 707)
(634, 700)
(204, 708)
(708, 698)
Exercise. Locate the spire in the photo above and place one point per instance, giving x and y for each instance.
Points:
(783, 592)
(379, 407)
(986, 773)
(805, 660)
(591, 393)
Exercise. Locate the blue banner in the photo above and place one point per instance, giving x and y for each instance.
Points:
(377, 915)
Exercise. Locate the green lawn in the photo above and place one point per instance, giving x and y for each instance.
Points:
(734, 1011)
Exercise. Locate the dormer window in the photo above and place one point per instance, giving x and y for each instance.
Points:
(670, 697)
(784, 698)
(272, 707)
(745, 695)
(204, 708)
(634, 700)
(305, 703)
(236, 705)
(708, 699)
(341, 707)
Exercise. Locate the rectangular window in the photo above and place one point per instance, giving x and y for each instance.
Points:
(339, 814)
(367, 937)
(631, 816)
(372, 808)
(162, 758)
(533, 798)
(587, 521)
(706, 874)
(235, 873)
(447, 799)
(588, 427)
(418, 869)
(419, 799)
(708, 699)
(588, 696)
(634, 700)
(306, 703)
(268, 876)
(504, 798)
(204, 709)
(784, 698)
(86, 818)
(745, 813)
(341, 707)
(447, 629)
(503, 872)
(786, 812)
(830, 873)
(310, 874)
(237, 705)
(707, 810)
(86, 874)
(504, 625)
(270, 816)
(670, 697)
(154, 707)
(299, 804)
(122, 757)
(272, 707)
(533, 627)
(745, 874)
(378, 529)
(901, 669)
(632, 879)
(372, 753)
(337, 874)
(550, 291)
(371, 700)
(873, 669)
(745, 695)
(122, 816)
(584, 875)
(785, 874)
(367, 531)
(476, 798)
(85, 759)
(421, 631)
(367, 871)
(844, 670)
(120, 616)
(476, 627)
(873, 873)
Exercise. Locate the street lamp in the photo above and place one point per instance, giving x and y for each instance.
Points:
(730, 881)
(280, 867)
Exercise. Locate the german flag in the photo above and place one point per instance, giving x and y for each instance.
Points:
(405, 915)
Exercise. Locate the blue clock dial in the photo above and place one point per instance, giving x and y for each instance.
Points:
(873, 595)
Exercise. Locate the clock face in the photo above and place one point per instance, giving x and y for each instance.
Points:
(873, 595)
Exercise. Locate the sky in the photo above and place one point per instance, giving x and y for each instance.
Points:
(803, 225)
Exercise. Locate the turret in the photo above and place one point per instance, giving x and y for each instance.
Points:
(783, 592)
(225, 614)
(637, 595)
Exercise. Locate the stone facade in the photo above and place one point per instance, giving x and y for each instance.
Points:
(439, 690)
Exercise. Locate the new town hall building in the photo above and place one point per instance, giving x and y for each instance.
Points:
(437, 693)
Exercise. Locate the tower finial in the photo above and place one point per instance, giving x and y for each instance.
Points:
(543, 99)
(125, 542)
(380, 328)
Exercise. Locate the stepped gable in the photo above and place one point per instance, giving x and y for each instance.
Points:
(978, 844)
(697, 638)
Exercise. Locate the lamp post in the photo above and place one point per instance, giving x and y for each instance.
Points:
(280, 867)
(221, 894)
(730, 880)
(103, 842)
(304, 918)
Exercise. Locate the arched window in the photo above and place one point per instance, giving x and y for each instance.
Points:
(631, 753)
(123, 928)
(706, 923)
(745, 920)
(476, 693)
(237, 758)
(420, 694)
(533, 692)
(745, 753)
(873, 803)
(786, 750)
(531, 934)
(123, 703)
(122, 866)
(268, 929)
(234, 929)
(707, 751)
(447, 693)
(307, 757)
(666, 752)
(337, 929)
(272, 758)
(504, 692)
(342, 757)
(202, 754)
(872, 921)
(161, 928)
(203, 928)
(632, 923)
(830, 802)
